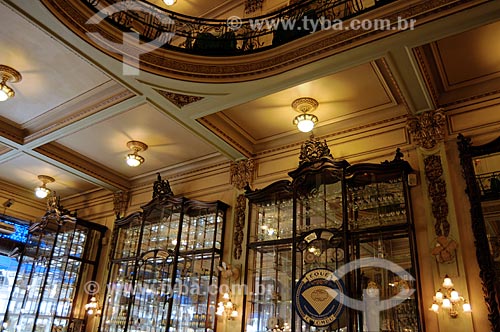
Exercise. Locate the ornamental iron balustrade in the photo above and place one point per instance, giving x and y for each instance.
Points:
(232, 36)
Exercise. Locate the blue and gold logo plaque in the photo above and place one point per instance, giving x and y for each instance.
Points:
(319, 296)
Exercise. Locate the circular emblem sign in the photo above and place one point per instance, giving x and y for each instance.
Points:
(319, 296)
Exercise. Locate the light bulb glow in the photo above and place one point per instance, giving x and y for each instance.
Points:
(454, 297)
(169, 2)
(466, 307)
(439, 296)
(134, 160)
(5, 92)
(435, 307)
(42, 192)
(446, 304)
(305, 122)
(447, 283)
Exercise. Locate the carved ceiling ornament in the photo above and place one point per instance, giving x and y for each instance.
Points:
(178, 99)
(120, 202)
(241, 173)
(428, 128)
(239, 225)
(313, 150)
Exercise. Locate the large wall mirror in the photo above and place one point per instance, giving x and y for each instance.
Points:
(481, 169)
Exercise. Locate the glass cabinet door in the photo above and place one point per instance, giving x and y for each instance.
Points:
(60, 256)
(165, 281)
(269, 258)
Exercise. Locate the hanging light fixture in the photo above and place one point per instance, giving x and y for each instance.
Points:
(170, 2)
(134, 159)
(42, 191)
(8, 74)
(305, 121)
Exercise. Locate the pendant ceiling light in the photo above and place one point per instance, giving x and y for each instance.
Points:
(42, 191)
(170, 2)
(305, 121)
(134, 159)
(8, 74)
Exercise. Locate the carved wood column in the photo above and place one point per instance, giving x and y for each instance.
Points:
(428, 132)
(241, 177)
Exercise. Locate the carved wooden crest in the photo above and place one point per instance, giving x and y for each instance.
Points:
(313, 150)
(161, 188)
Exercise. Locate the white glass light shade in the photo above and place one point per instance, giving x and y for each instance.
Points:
(305, 122)
(134, 160)
(466, 307)
(454, 297)
(439, 296)
(42, 192)
(234, 314)
(446, 304)
(435, 307)
(5, 92)
(447, 283)
(169, 2)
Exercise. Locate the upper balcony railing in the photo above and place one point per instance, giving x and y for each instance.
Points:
(231, 36)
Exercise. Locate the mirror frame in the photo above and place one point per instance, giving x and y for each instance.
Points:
(467, 154)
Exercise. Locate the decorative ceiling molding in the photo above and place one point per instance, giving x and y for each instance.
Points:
(178, 99)
(168, 63)
(74, 115)
(95, 173)
(11, 132)
(442, 94)
(222, 134)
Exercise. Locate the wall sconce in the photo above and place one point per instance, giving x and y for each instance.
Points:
(8, 74)
(305, 121)
(42, 191)
(133, 159)
(227, 308)
(93, 307)
(170, 2)
(449, 299)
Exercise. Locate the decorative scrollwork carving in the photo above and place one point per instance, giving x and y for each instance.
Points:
(239, 225)
(427, 129)
(467, 153)
(161, 188)
(313, 150)
(120, 202)
(241, 173)
(178, 99)
(252, 6)
(437, 192)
